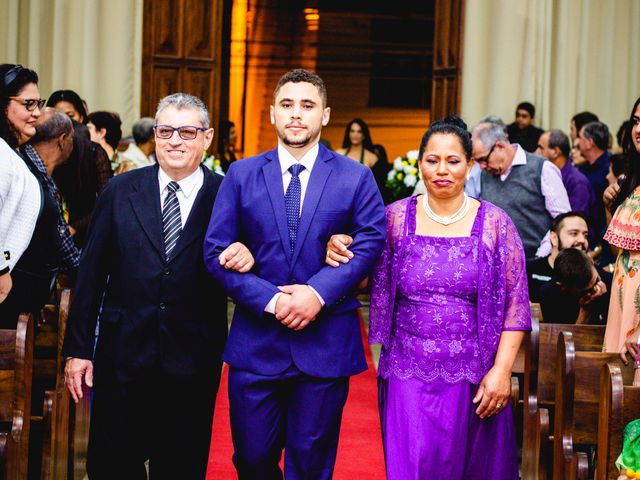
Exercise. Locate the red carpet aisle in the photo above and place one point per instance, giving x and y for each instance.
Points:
(360, 449)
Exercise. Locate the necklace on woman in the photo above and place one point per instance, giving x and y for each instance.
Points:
(459, 215)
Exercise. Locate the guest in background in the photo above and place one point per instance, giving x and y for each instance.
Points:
(357, 145)
(522, 131)
(592, 141)
(227, 144)
(49, 148)
(383, 159)
(28, 215)
(69, 103)
(105, 130)
(449, 324)
(524, 185)
(624, 316)
(578, 121)
(578, 292)
(141, 152)
(554, 146)
(618, 163)
(80, 180)
(473, 187)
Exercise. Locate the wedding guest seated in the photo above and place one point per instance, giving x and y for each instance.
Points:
(568, 230)
(141, 152)
(522, 131)
(69, 103)
(579, 291)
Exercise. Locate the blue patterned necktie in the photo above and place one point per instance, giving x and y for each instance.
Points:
(171, 220)
(292, 203)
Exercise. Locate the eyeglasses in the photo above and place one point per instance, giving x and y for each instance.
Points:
(11, 75)
(31, 103)
(485, 159)
(186, 132)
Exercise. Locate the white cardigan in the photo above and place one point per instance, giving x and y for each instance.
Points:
(20, 203)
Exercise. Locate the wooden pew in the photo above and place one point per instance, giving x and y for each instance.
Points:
(64, 449)
(16, 357)
(518, 375)
(539, 391)
(619, 404)
(577, 403)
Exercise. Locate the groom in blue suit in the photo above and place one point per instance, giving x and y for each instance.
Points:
(295, 336)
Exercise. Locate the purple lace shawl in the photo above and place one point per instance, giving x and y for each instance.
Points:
(503, 297)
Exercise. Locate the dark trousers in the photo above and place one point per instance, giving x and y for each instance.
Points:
(291, 410)
(166, 421)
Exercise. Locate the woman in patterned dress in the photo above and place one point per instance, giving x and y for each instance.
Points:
(624, 233)
(449, 304)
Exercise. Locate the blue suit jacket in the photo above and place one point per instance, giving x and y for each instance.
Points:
(341, 197)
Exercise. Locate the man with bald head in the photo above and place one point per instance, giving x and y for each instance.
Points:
(48, 148)
(554, 146)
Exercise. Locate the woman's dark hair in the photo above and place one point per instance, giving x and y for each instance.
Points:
(223, 136)
(68, 96)
(78, 175)
(452, 125)
(632, 172)
(366, 136)
(618, 164)
(14, 79)
(111, 123)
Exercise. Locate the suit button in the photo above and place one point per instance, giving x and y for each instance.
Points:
(167, 271)
(163, 306)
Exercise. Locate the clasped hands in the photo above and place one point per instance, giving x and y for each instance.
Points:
(80, 370)
(297, 306)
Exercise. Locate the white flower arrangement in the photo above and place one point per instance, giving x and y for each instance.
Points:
(212, 164)
(402, 178)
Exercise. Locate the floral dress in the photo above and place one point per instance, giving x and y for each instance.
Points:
(624, 309)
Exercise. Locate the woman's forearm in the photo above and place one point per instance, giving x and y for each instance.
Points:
(510, 341)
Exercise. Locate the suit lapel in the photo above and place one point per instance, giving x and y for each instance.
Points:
(319, 175)
(145, 202)
(201, 209)
(273, 179)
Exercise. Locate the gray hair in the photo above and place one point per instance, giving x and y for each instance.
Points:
(142, 130)
(489, 133)
(183, 101)
(557, 138)
(495, 119)
(598, 132)
(52, 128)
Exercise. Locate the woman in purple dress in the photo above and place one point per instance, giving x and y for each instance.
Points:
(449, 304)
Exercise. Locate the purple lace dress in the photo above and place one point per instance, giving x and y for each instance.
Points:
(434, 354)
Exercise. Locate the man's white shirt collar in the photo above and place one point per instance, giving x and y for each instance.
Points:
(187, 184)
(286, 159)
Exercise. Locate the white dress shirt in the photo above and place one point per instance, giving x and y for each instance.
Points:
(286, 160)
(189, 188)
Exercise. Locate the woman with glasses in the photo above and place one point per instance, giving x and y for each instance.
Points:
(29, 240)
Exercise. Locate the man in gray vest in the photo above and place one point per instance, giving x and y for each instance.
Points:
(524, 185)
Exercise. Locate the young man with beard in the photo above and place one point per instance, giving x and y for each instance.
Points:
(560, 304)
(295, 336)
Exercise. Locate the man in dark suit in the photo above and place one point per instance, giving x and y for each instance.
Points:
(162, 319)
(295, 337)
